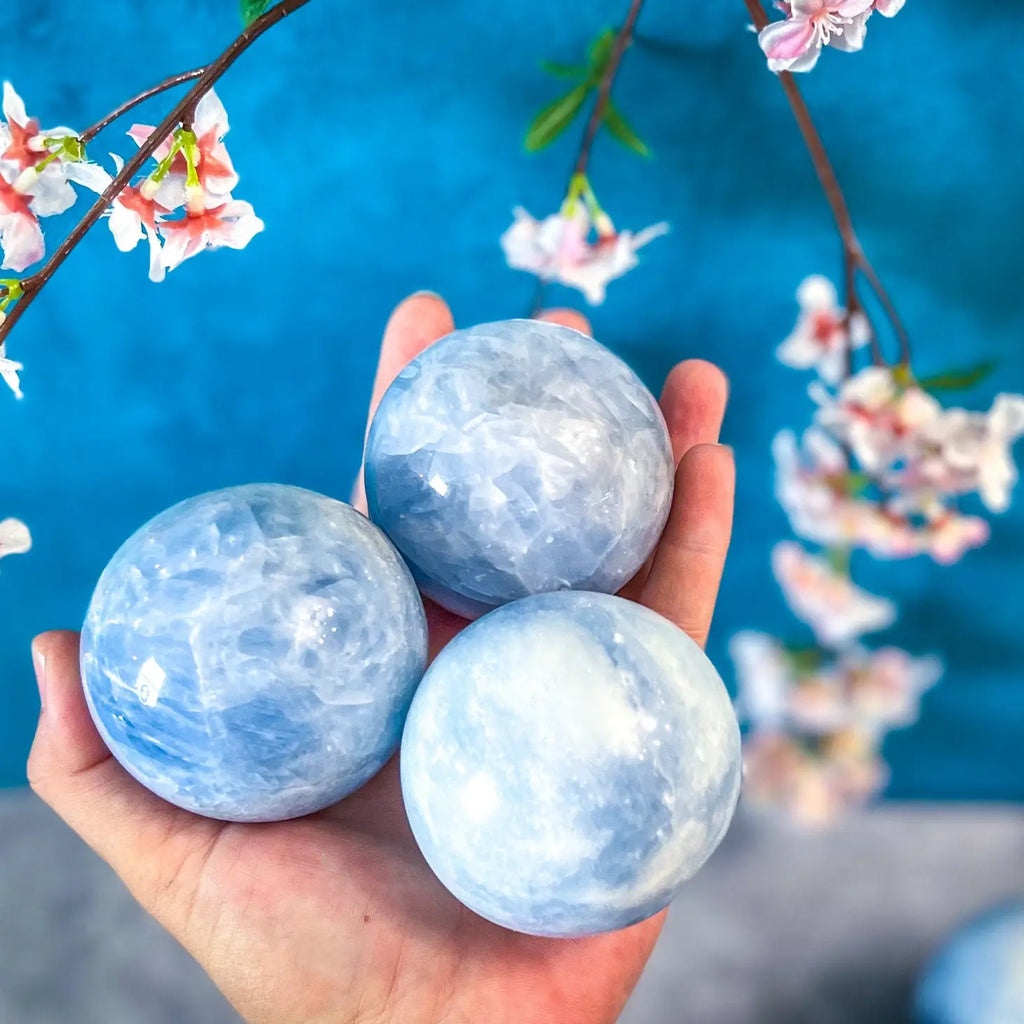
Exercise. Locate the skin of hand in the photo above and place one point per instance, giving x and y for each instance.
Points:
(336, 918)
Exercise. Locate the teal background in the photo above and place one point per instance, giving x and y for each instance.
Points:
(382, 145)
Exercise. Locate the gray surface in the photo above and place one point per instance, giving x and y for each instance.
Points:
(779, 928)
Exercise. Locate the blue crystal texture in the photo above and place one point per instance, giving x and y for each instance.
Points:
(978, 978)
(251, 654)
(518, 458)
(568, 762)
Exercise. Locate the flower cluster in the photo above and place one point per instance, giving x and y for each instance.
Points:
(796, 43)
(184, 205)
(559, 248)
(37, 169)
(881, 469)
(818, 716)
(885, 462)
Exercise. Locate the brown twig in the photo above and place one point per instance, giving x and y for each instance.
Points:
(854, 260)
(208, 77)
(623, 39)
(604, 92)
(118, 112)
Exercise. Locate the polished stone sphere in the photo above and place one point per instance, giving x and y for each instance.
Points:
(250, 654)
(568, 762)
(978, 977)
(518, 458)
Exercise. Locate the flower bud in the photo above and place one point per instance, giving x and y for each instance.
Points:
(195, 199)
(26, 181)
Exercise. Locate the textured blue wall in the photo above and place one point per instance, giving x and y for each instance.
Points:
(381, 143)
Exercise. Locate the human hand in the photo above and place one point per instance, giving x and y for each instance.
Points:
(335, 918)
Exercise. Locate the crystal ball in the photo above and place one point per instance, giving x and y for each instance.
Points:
(569, 761)
(518, 458)
(251, 654)
(978, 977)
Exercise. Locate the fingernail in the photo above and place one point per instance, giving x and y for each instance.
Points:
(425, 293)
(39, 664)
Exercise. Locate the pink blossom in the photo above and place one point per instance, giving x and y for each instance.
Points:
(819, 493)
(835, 608)
(211, 218)
(558, 249)
(821, 337)
(876, 417)
(884, 687)
(134, 217)
(232, 224)
(796, 43)
(775, 691)
(950, 536)
(21, 236)
(213, 165)
(814, 484)
(764, 677)
(9, 369)
(814, 786)
(15, 538)
(36, 173)
(961, 452)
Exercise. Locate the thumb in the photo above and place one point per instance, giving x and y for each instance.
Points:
(157, 849)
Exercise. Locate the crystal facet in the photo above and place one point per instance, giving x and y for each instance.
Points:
(250, 654)
(568, 762)
(517, 458)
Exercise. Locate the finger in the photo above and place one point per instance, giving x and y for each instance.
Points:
(693, 402)
(687, 570)
(568, 318)
(156, 848)
(416, 323)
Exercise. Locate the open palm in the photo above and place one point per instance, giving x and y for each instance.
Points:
(336, 917)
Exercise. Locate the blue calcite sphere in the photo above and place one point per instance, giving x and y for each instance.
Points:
(250, 654)
(978, 978)
(568, 762)
(518, 458)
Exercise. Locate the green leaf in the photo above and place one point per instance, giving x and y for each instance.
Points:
(959, 379)
(839, 560)
(553, 67)
(252, 9)
(600, 52)
(555, 118)
(623, 132)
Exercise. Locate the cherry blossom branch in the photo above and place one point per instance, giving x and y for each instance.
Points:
(604, 93)
(118, 112)
(854, 259)
(207, 78)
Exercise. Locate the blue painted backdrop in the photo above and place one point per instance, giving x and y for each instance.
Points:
(382, 144)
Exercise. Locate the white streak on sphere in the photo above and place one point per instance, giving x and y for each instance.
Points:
(250, 654)
(568, 762)
(517, 458)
